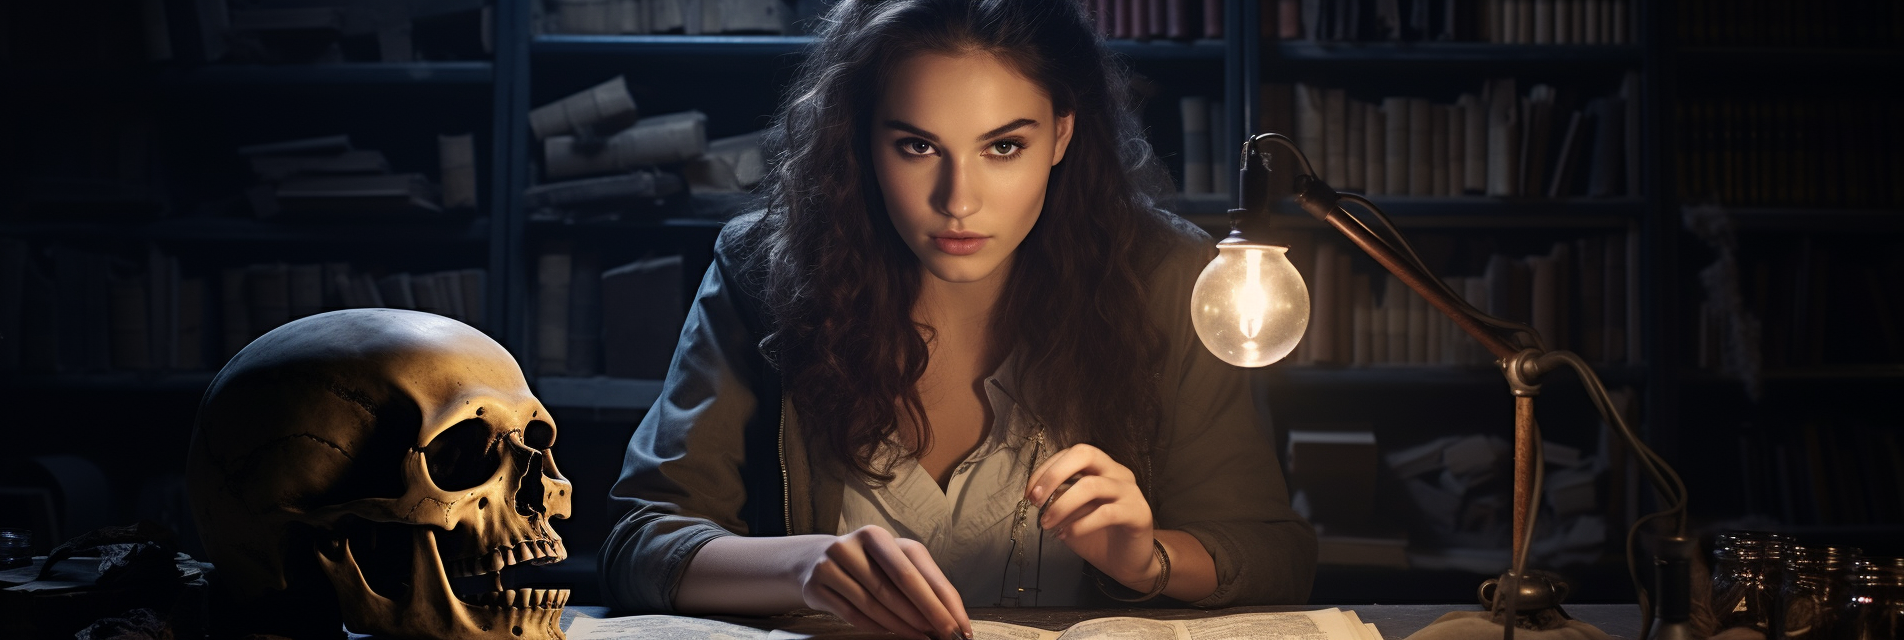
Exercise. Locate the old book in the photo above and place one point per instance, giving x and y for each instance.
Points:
(1421, 158)
(585, 315)
(1375, 150)
(449, 295)
(131, 336)
(553, 271)
(188, 345)
(321, 145)
(474, 284)
(1560, 184)
(642, 316)
(1545, 290)
(1324, 322)
(1591, 261)
(268, 297)
(1616, 297)
(1359, 348)
(1395, 113)
(357, 194)
(1213, 19)
(1301, 254)
(1438, 150)
(744, 16)
(605, 191)
(162, 276)
(13, 311)
(1311, 126)
(1474, 144)
(1635, 333)
(592, 113)
(1395, 307)
(1355, 163)
(664, 139)
(1277, 114)
(1456, 142)
(1326, 624)
(273, 167)
(1608, 169)
(1222, 149)
(304, 287)
(397, 292)
(1537, 113)
(235, 316)
(1344, 285)
(1417, 328)
(1194, 112)
(1288, 19)
(1335, 136)
(456, 157)
(1543, 21)
(731, 165)
(1503, 137)
(425, 292)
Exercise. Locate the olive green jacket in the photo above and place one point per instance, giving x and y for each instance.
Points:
(722, 453)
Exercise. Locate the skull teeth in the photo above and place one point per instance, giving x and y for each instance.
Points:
(524, 599)
(536, 552)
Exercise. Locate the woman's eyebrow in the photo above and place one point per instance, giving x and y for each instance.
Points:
(1008, 128)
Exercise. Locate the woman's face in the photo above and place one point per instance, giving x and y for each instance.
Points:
(963, 147)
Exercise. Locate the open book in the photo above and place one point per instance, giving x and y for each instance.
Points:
(1326, 624)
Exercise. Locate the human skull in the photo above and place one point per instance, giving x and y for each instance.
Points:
(383, 469)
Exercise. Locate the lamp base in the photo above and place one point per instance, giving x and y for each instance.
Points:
(1537, 613)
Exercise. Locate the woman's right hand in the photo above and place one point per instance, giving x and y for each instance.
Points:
(881, 583)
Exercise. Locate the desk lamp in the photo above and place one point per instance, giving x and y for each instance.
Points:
(1250, 308)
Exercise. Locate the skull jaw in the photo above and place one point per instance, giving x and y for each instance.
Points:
(429, 610)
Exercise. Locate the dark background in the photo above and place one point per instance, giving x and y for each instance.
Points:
(112, 152)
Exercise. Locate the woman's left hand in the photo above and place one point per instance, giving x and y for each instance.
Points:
(1102, 516)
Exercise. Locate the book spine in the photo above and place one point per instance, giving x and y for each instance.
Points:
(1194, 112)
(1375, 150)
(552, 313)
(1421, 159)
(1334, 136)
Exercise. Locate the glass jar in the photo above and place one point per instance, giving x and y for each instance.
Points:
(1748, 580)
(1816, 590)
(1875, 609)
(16, 548)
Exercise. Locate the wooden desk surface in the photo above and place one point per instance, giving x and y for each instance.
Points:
(1395, 621)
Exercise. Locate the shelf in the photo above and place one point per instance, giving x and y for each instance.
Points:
(669, 45)
(1841, 373)
(1419, 375)
(453, 229)
(1814, 61)
(117, 381)
(1479, 53)
(1464, 212)
(599, 392)
(348, 73)
(773, 46)
(1820, 220)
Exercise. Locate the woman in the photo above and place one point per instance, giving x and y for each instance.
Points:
(952, 360)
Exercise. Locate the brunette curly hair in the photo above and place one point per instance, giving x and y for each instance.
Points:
(841, 283)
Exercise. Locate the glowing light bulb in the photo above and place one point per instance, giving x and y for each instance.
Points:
(1250, 307)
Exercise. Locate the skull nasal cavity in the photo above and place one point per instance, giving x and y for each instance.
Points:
(529, 491)
(538, 435)
(462, 456)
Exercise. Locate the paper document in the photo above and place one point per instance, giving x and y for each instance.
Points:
(1326, 624)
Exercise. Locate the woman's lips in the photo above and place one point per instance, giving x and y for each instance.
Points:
(960, 246)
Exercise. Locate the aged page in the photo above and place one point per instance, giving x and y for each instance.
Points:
(1327, 624)
(990, 630)
(1125, 629)
(660, 628)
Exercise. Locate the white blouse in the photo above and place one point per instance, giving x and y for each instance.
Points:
(968, 526)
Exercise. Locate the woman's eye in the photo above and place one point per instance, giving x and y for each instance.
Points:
(1006, 148)
(916, 147)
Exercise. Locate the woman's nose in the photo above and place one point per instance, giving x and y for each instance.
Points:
(957, 194)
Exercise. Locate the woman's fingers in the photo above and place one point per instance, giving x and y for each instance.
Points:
(942, 586)
(1078, 459)
(850, 608)
(1084, 497)
(856, 556)
(902, 569)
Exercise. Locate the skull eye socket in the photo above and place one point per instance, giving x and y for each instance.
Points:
(463, 456)
(538, 435)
